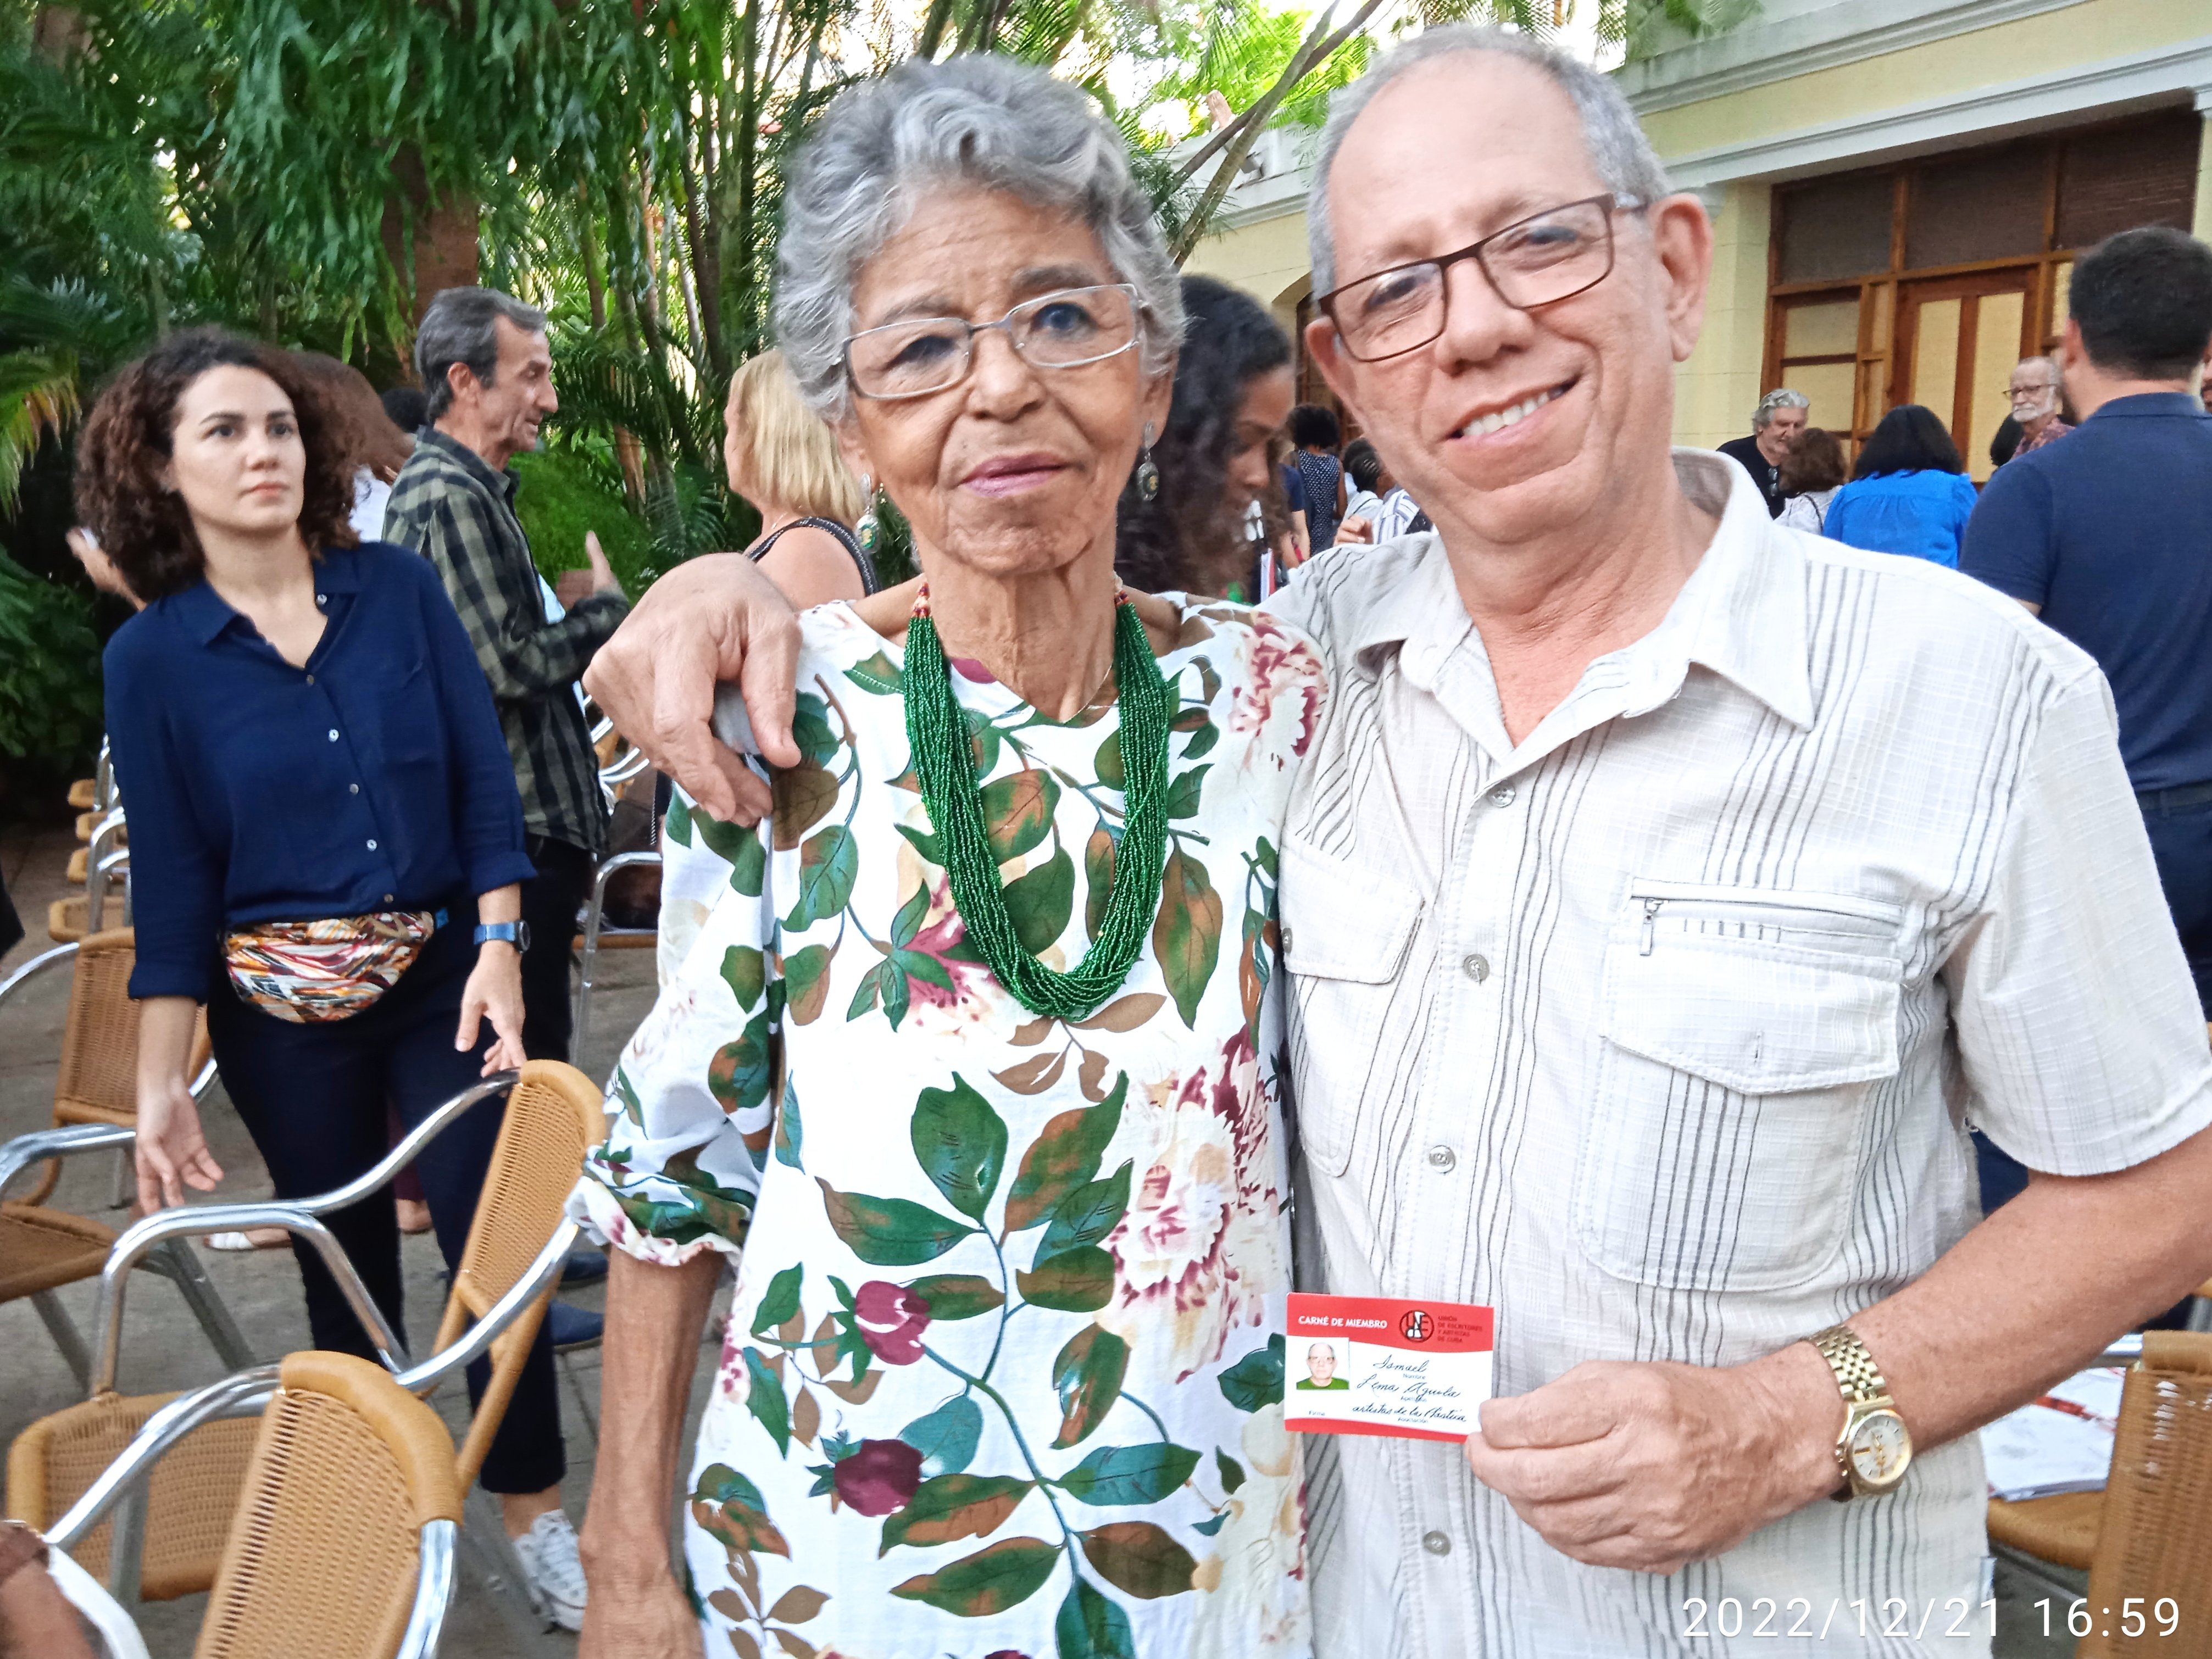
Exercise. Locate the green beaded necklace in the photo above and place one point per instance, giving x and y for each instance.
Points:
(946, 765)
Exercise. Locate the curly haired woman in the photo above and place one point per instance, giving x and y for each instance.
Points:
(320, 798)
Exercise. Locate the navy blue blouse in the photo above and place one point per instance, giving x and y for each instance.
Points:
(375, 778)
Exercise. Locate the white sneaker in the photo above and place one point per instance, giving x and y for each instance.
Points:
(548, 1554)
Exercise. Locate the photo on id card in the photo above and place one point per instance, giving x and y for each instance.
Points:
(1379, 1365)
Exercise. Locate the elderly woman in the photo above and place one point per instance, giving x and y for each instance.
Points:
(997, 1377)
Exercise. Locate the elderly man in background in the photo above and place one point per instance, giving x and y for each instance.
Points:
(484, 360)
(2034, 394)
(1664, 896)
(1775, 424)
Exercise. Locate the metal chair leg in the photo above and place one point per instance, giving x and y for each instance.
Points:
(183, 1269)
(126, 1182)
(74, 1354)
(485, 1538)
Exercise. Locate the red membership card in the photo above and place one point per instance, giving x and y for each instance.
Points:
(1371, 1365)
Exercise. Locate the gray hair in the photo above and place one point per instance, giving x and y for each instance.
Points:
(983, 121)
(1618, 149)
(458, 328)
(1780, 397)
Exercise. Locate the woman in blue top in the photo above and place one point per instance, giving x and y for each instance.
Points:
(1908, 492)
(321, 807)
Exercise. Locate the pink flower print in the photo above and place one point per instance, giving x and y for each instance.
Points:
(879, 1477)
(892, 1319)
(1278, 665)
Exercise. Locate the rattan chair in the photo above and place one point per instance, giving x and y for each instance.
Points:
(97, 1078)
(43, 1248)
(341, 1543)
(554, 1116)
(2148, 1536)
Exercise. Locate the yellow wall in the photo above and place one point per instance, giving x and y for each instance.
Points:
(1268, 260)
(1716, 391)
(2093, 30)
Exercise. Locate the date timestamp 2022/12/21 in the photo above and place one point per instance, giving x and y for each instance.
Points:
(1728, 1617)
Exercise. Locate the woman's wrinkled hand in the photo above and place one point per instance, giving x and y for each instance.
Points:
(494, 992)
(637, 1617)
(170, 1150)
(713, 617)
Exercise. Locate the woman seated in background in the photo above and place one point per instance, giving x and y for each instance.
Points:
(1909, 493)
(327, 842)
(1811, 473)
(783, 459)
(1208, 468)
(997, 1375)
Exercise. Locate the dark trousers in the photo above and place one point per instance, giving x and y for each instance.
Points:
(2180, 825)
(550, 900)
(315, 1097)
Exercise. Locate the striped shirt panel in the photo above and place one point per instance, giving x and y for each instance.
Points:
(1662, 1030)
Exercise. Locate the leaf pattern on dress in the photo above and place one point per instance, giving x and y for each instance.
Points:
(996, 1369)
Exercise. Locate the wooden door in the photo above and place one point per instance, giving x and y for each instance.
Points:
(1958, 338)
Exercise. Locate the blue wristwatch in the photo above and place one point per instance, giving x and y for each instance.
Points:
(516, 933)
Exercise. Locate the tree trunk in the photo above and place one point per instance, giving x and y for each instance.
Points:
(430, 241)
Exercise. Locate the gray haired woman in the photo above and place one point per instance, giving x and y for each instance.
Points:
(998, 1375)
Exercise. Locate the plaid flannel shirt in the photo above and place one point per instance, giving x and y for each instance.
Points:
(453, 509)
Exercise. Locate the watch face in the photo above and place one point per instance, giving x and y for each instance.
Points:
(1880, 1448)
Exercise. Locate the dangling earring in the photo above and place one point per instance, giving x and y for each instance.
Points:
(1148, 474)
(869, 526)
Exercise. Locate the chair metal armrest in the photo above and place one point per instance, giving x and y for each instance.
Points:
(98, 882)
(433, 1591)
(37, 964)
(243, 1395)
(298, 1216)
(545, 1271)
(623, 771)
(19, 1154)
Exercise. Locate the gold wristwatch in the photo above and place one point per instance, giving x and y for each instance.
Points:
(1875, 1448)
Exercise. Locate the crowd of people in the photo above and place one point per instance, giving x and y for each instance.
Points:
(1613, 906)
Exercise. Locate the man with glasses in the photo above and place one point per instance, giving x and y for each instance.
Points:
(1775, 424)
(1664, 893)
(2034, 394)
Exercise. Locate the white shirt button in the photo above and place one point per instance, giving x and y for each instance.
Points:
(372, 845)
(1435, 1543)
(311, 679)
(1286, 938)
(387, 898)
(1440, 1158)
(1475, 968)
(334, 734)
(322, 598)
(1502, 796)
(353, 789)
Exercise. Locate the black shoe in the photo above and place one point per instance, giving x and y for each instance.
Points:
(574, 1327)
(584, 1267)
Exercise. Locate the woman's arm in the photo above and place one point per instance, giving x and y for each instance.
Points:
(811, 566)
(655, 1317)
(495, 986)
(171, 1152)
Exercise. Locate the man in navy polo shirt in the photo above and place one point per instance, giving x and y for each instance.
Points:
(2108, 538)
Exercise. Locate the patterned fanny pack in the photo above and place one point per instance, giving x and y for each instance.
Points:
(310, 971)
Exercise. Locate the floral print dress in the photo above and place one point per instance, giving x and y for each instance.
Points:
(998, 1377)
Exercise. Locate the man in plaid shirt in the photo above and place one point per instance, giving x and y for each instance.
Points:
(484, 360)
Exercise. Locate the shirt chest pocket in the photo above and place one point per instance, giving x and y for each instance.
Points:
(1744, 1032)
(1348, 931)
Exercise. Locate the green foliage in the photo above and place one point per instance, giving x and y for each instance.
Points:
(1642, 29)
(49, 690)
(561, 496)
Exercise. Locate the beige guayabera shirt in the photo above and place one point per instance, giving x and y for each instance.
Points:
(1662, 1030)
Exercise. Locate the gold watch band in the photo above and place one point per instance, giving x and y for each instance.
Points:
(1856, 1374)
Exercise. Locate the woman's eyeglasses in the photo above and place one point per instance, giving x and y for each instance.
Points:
(1539, 261)
(1064, 329)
